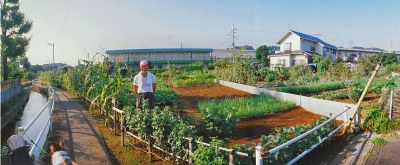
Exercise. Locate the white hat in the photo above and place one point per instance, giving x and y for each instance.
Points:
(143, 63)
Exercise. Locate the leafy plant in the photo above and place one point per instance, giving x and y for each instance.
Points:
(312, 88)
(377, 121)
(284, 134)
(245, 107)
(379, 141)
(219, 122)
(205, 155)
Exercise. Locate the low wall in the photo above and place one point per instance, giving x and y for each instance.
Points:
(7, 94)
(314, 105)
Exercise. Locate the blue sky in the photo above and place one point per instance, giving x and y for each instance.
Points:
(81, 27)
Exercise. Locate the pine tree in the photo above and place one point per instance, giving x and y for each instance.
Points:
(13, 27)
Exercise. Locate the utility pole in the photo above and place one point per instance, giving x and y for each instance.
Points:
(54, 71)
(181, 45)
(351, 44)
(233, 36)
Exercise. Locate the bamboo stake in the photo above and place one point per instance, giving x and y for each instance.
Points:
(361, 98)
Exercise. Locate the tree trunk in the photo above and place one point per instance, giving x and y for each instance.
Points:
(4, 67)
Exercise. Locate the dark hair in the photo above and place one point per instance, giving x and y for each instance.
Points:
(57, 146)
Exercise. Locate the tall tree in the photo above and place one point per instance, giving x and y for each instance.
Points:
(13, 27)
(262, 53)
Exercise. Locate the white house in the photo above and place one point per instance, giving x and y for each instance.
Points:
(297, 49)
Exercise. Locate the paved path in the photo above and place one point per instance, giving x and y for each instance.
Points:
(82, 138)
(386, 154)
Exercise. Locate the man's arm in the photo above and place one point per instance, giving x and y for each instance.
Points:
(154, 87)
(135, 89)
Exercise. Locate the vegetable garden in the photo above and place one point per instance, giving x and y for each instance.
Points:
(225, 118)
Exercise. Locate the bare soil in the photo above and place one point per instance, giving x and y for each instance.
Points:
(251, 129)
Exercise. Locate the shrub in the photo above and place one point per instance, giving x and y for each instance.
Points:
(219, 122)
(205, 155)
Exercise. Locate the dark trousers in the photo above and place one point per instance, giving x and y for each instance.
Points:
(149, 96)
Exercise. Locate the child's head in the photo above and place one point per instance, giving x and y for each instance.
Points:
(56, 146)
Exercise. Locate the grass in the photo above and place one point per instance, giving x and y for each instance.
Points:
(246, 107)
(194, 78)
(332, 95)
(315, 88)
(379, 141)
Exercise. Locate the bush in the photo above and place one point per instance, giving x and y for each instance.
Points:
(377, 121)
(205, 155)
(219, 122)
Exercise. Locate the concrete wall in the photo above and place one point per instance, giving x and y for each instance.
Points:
(314, 105)
(7, 94)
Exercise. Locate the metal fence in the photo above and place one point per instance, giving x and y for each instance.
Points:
(25, 131)
(260, 150)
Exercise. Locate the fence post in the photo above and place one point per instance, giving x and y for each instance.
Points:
(346, 114)
(115, 117)
(122, 131)
(391, 104)
(259, 150)
(231, 157)
(21, 131)
(149, 147)
(190, 151)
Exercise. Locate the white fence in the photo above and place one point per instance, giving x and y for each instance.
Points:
(25, 131)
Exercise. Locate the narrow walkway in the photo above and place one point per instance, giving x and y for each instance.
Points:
(81, 136)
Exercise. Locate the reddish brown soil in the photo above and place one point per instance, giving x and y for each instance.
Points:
(250, 130)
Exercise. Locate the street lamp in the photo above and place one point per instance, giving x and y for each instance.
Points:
(52, 45)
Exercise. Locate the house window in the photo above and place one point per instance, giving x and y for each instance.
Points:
(312, 49)
(288, 46)
(299, 62)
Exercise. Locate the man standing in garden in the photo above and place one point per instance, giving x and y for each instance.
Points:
(144, 86)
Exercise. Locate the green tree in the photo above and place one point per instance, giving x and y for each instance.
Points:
(26, 64)
(13, 26)
(339, 58)
(350, 58)
(389, 58)
(262, 53)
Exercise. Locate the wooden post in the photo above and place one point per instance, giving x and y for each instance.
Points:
(149, 147)
(391, 105)
(115, 117)
(190, 151)
(122, 131)
(231, 157)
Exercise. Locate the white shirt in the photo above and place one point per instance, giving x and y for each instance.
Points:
(144, 84)
(59, 157)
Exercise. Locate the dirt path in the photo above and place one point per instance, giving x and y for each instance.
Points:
(81, 135)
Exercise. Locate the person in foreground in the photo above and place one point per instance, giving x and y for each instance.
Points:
(144, 86)
(59, 156)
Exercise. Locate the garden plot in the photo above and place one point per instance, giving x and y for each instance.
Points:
(249, 129)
